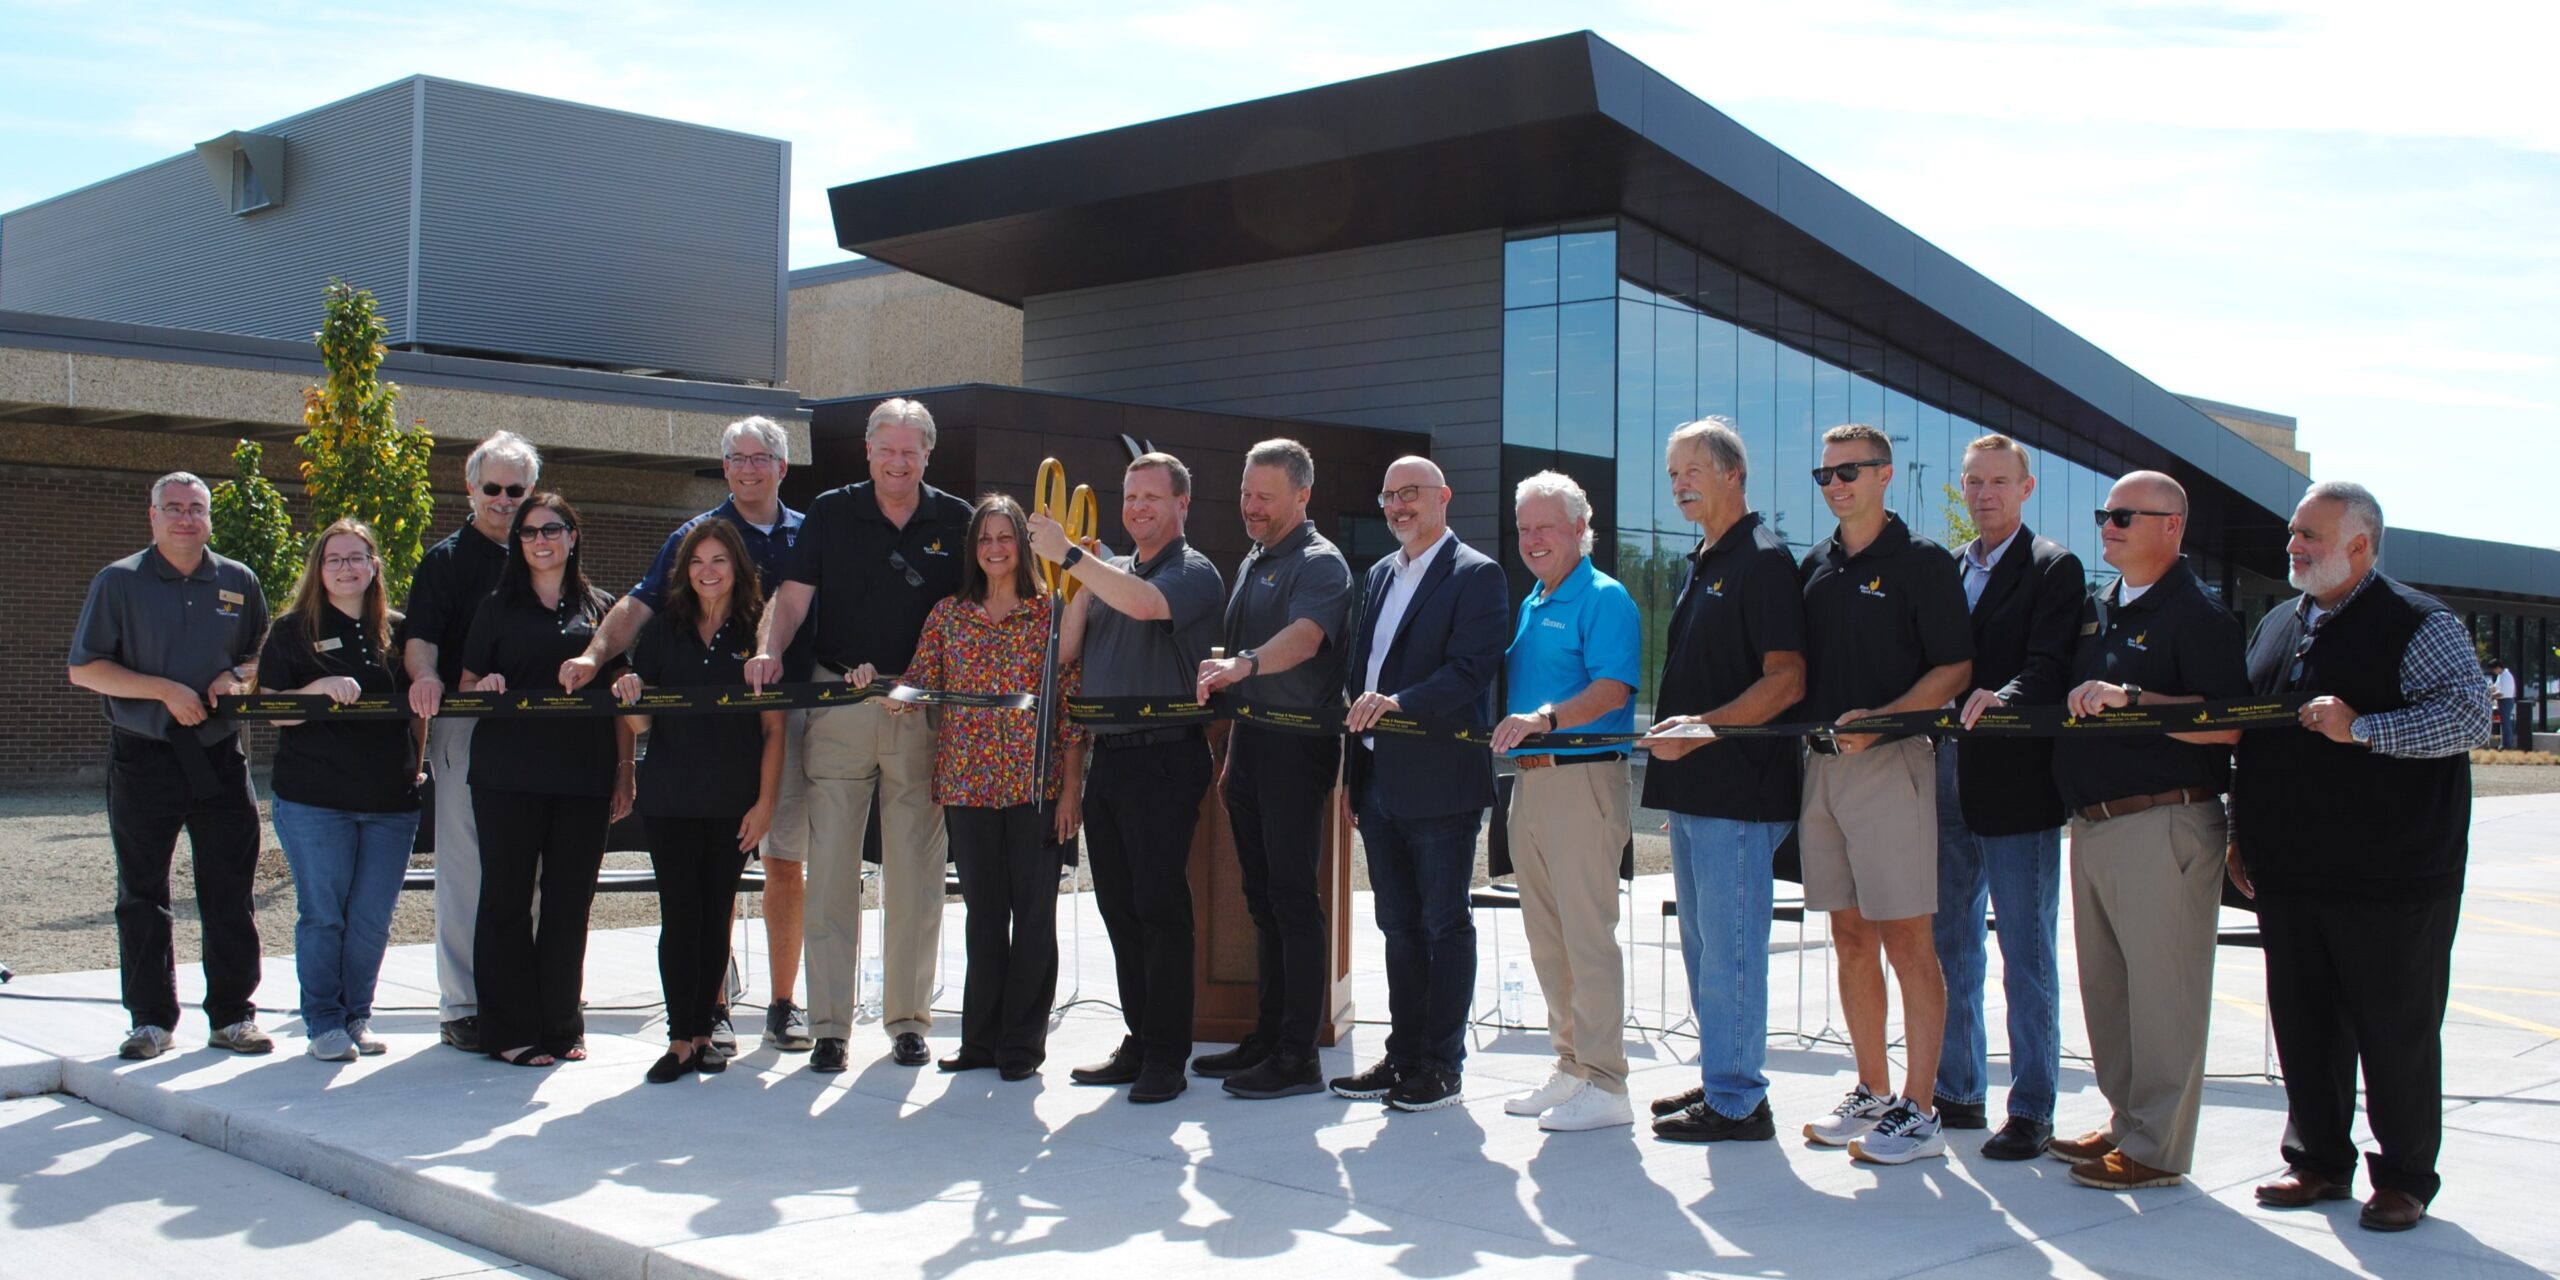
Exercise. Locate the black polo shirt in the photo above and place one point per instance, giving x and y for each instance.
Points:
(2173, 638)
(453, 577)
(356, 766)
(1304, 576)
(1740, 604)
(865, 609)
(526, 643)
(698, 766)
(1124, 657)
(770, 549)
(1877, 621)
(145, 616)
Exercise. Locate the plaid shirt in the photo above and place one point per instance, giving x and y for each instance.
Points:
(2448, 711)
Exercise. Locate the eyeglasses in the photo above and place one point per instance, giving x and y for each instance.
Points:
(1407, 494)
(334, 563)
(899, 563)
(2122, 517)
(552, 532)
(1846, 471)
(751, 461)
(174, 511)
(491, 488)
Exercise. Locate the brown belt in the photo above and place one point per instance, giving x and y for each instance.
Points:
(1550, 761)
(2131, 805)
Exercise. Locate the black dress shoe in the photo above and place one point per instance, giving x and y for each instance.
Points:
(2019, 1139)
(1960, 1115)
(1678, 1102)
(463, 1034)
(1158, 1084)
(828, 1057)
(1280, 1075)
(1370, 1085)
(965, 1061)
(1019, 1072)
(908, 1050)
(1702, 1123)
(1247, 1055)
(669, 1068)
(1120, 1068)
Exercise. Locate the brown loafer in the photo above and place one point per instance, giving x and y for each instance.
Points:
(2300, 1188)
(2093, 1145)
(2116, 1171)
(2391, 1210)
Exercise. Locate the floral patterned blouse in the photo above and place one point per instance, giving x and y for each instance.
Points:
(983, 755)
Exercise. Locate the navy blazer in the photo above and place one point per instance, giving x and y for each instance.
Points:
(2024, 628)
(1442, 661)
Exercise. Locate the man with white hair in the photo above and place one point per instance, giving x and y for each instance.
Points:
(755, 454)
(1572, 667)
(453, 577)
(2351, 833)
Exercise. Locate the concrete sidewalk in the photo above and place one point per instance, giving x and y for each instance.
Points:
(771, 1171)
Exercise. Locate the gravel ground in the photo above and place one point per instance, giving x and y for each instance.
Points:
(57, 914)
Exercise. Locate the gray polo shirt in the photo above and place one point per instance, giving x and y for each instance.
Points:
(1124, 657)
(145, 616)
(1304, 576)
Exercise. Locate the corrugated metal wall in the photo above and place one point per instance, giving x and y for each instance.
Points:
(159, 246)
(556, 230)
(1404, 335)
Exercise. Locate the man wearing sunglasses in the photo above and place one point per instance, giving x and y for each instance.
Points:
(453, 577)
(872, 560)
(1885, 629)
(2147, 838)
(2351, 834)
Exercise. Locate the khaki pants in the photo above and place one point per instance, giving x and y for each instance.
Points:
(853, 756)
(2145, 890)
(1569, 826)
(457, 866)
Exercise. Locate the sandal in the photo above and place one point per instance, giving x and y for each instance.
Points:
(576, 1052)
(525, 1056)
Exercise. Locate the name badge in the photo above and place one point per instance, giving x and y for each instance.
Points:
(330, 645)
(230, 597)
(2088, 628)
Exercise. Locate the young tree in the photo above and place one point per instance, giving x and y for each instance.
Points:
(357, 460)
(250, 525)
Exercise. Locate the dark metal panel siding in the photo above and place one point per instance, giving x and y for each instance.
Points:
(555, 230)
(157, 246)
(1405, 336)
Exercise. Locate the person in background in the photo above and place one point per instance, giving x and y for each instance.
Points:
(2503, 685)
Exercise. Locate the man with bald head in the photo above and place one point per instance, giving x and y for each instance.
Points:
(1426, 641)
(2147, 838)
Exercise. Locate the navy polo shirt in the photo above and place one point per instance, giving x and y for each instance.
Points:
(1586, 629)
(771, 551)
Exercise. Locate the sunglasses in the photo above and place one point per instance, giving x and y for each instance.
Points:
(2122, 517)
(552, 532)
(491, 488)
(899, 563)
(1847, 472)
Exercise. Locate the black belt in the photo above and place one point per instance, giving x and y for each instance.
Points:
(1824, 745)
(1145, 737)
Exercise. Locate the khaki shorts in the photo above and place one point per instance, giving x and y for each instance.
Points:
(1869, 832)
(788, 840)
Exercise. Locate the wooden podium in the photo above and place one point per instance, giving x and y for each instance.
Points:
(1225, 966)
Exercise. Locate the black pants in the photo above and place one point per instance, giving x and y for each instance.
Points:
(149, 800)
(1141, 806)
(2350, 981)
(698, 863)
(1009, 890)
(531, 971)
(1279, 789)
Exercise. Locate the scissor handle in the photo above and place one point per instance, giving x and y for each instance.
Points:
(1079, 523)
(1049, 498)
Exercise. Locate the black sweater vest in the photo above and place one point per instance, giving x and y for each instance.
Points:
(2315, 818)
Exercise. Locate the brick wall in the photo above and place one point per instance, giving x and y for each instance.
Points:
(58, 526)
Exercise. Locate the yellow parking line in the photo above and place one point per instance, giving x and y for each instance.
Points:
(2508, 991)
(2250, 1005)
(2529, 899)
(2536, 930)
(2511, 1020)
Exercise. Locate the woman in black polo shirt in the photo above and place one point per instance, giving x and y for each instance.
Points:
(542, 793)
(346, 792)
(708, 784)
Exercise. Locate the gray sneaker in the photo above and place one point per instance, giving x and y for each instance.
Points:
(144, 1043)
(1856, 1114)
(333, 1046)
(724, 1035)
(370, 1045)
(243, 1037)
(1902, 1136)
(786, 1027)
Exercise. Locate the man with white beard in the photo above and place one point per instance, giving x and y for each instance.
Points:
(2352, 838)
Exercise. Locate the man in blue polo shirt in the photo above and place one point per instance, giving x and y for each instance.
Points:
(755, 453)
(1572, 668)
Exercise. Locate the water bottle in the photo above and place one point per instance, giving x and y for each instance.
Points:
(1514, 992)
(871, 984)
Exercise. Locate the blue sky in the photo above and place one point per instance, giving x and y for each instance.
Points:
(2337, 209)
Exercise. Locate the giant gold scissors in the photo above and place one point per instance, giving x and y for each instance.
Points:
(1075, 515)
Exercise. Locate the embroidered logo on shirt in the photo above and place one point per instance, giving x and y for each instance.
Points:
(1715, 588)
(1874, 587)
(1271, 579)
(1557, 623)
(2135, 640)
(933, 548)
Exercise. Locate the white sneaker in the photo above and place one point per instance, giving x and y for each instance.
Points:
(332, 1046)
(360, 1030)
(1902, 1136)
(1558, 1087)
(1590, 1107)
(1856, 1114)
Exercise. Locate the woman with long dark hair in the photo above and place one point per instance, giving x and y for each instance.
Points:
(708, 783)
(543, 793)
(990, 638)
(346, 792)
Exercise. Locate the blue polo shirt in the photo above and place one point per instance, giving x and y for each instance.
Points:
(1586, 630)
(770, 549)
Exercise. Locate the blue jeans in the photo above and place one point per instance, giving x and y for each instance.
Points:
(2509, 732)
(1419, 872)
(2018, 881)
(1720, 870)
(346, 879)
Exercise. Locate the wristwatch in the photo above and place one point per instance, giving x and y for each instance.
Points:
(1074, 556)
(1549, 711)
(2133, 695)
(1253, 659)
